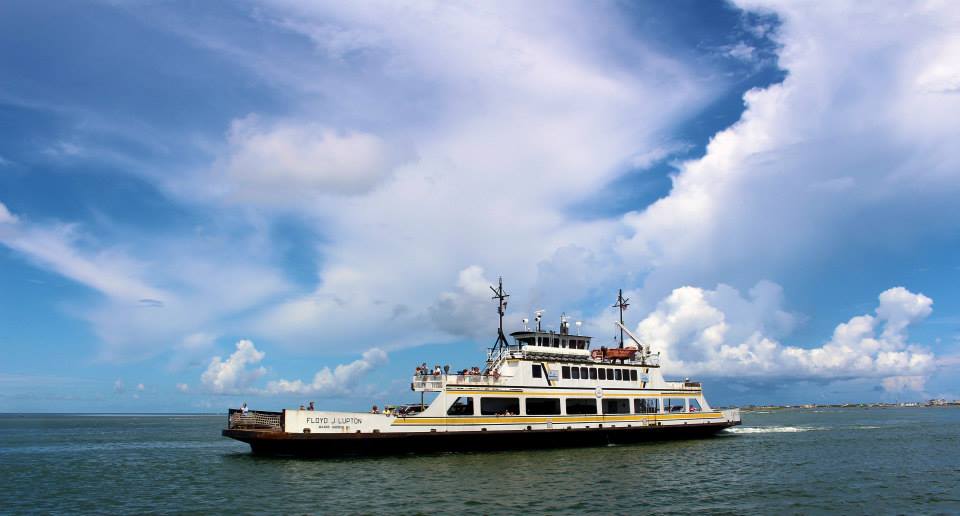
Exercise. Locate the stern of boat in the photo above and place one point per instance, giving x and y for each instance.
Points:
(731, 416)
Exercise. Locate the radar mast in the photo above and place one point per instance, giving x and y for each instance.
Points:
(622, 304)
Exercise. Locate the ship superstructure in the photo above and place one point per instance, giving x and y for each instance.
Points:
(539, 388)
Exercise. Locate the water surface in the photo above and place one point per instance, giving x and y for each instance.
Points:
(850, 461)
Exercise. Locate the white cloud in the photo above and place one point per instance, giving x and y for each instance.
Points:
(720, 333)
(167, 299)
(325, 382)
(513, 120)
(237, 373)
(182, 387)
(287, 160)
(118, 386)
(849, 153)
(5, 216)
(241, 370)
(140, 387)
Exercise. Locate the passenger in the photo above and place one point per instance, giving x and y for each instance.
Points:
(301, 407)
(446, 369)
(244, 409)
(436, 370)
(310, 406)
(375, 410)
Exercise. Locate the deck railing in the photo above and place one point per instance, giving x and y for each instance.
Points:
(431, 383)
(254, 420)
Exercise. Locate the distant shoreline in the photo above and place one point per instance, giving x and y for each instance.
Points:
(929, 404)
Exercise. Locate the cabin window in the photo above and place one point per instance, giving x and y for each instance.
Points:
(543, 406)
(633, 375)
(694, 405)
(646, 406)
(618, 374)
(674, 405)
(581, 406)
(603, 373)
(556, 342)
(543, 341)
(536, 371)
(616, 406)
(462, 407)
(576, 372)
(593, 373)
(528, 341)
(499, 406)
(565, 372)
(584, 372)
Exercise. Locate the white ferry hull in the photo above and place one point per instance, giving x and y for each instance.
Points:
(338, 434)
(340, 444)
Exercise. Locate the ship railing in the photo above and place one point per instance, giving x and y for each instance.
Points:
(436, 383)
(428, 383)
(254, 420)
(685, 385)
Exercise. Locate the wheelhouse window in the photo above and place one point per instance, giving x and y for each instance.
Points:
(593, 373)
(694, 405)
(576, 372)
(618, 374)
(499, 406)
(616, 406)
(581, 406)
(603, 373)
(626, 375)
(584, 372)
(674, 405)
(536, 371)
(463, 406)
(646, 406)
(543, 406)
(556, 342)
(527, 341)
(633, 375)
(565, 372)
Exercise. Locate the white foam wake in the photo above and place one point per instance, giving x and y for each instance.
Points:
(771, 429)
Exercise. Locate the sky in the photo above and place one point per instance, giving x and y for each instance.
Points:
(283, 201)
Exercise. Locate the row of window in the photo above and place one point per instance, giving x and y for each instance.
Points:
(594, 373)
(554, 342)
(464, 406)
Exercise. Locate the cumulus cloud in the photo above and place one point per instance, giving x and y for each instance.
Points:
(720, 333)
(237, 373)
(287, 159)
(460, 312)
(325, 382)
(851, 152)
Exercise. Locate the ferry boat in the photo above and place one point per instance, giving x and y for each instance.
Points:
(541, 389)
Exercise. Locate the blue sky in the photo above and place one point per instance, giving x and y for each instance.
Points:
(282, 201)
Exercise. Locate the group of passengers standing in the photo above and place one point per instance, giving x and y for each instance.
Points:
(423, 370)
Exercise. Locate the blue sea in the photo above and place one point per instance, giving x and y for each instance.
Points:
(820, 461)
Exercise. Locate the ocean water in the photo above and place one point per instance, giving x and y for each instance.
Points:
(844, 461)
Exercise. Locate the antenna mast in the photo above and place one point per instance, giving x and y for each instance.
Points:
(501, 298)
(622, 305)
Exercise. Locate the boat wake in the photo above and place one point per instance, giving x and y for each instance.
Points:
(772, 429)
